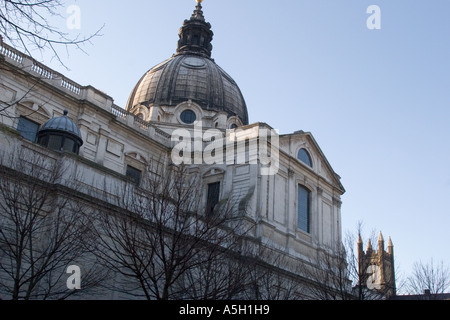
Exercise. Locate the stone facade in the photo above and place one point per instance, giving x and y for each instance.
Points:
(115, 139)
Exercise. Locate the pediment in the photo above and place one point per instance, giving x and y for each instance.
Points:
(291, 144)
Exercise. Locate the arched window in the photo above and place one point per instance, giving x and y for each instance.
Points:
(304, 157)
(304, 208)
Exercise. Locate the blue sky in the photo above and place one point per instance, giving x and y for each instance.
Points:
(376, 101)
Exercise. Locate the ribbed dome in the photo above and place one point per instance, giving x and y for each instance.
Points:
(191, 75)
(63, 125)
(60, 134)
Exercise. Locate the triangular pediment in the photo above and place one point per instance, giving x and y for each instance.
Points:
(291, 144)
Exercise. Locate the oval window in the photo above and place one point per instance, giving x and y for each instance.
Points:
(188, 116)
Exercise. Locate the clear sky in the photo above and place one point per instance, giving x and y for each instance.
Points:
(376, 101)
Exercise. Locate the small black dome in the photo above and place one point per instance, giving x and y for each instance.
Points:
(60, 134)
(62, 124)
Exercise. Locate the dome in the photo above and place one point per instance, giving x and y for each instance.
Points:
(60, 134)
(62, 124)
(192, 75)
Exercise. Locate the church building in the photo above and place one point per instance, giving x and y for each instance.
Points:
(185, 110)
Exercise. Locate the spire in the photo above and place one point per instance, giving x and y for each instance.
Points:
(198, 13)
(369, 246)
(390, 246)
(380, 243)
(360, 247)
(359, 239)
(380, 237)
(195, 34)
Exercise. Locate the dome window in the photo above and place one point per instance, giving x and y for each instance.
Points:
(304, 157)
(233, 126)
(188, 116)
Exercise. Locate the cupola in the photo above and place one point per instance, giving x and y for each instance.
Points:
(60, 134)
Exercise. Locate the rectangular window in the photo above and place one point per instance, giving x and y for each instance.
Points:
(304, 208)
(54, 142)
(213, 197)
(134, 174)
(28, 129)
(69, 145)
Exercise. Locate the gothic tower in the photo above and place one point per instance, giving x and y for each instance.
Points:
(376, 267)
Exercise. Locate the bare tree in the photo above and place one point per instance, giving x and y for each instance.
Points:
(42, 230)
(357, 267)
(7, 105)
(223, 274)
(354, 266)
(429, 276)
(25, 25)
(274, 276)
(331, 275)
(162, 237)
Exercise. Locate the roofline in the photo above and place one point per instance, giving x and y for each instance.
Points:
(337, 177)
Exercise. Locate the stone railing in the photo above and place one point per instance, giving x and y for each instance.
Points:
(41, 71)
(71, 86)
(119, 112)
(163, 134)
(145, 127)
(10, 53)
(28, 65)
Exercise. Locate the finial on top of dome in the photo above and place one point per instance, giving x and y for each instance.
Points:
(196, 34)
(198, 13)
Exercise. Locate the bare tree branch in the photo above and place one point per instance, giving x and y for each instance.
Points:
(161, 242)
(42, 231)
(431, 276)
(24, 24)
